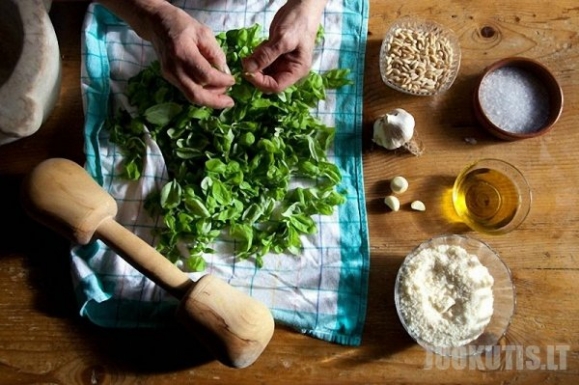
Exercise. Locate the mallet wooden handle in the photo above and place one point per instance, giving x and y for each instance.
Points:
(235, 327)
(144, 258)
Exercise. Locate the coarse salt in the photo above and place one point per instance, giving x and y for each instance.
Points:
(514, 100)
(445, 296)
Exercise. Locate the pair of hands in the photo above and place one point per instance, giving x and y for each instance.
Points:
(192, 60)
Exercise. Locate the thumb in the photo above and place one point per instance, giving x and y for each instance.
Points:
(263, 56)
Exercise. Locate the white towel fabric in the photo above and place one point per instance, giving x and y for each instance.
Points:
(320, 293)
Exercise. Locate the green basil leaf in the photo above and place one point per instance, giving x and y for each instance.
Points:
(161, 114)
(171, 195)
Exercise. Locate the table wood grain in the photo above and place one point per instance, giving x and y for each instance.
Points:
(43, 341)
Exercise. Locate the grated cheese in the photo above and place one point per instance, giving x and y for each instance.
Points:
(445, 296)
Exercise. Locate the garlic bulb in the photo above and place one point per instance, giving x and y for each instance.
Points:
(395, 130)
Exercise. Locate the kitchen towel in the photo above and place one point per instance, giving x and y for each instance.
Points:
(321, 293)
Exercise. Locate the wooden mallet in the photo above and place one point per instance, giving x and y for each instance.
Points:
(232, 325)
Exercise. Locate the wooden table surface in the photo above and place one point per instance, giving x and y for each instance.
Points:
(43, 341)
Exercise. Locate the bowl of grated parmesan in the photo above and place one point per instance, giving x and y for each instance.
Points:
(454, 296)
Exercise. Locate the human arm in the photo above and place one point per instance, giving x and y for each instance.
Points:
(190, 57)
(287, 55)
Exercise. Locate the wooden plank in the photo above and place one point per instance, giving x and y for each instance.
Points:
(42, 339)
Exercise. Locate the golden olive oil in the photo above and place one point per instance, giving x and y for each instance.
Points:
(486, 199)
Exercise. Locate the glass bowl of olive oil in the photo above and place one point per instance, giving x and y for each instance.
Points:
(491, 196)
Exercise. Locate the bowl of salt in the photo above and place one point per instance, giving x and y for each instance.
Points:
(518, 98)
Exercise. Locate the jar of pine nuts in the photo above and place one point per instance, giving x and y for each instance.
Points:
(419, 57)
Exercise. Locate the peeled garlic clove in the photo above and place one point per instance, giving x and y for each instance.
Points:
(392, 202)
(398, 185)
(418, 206)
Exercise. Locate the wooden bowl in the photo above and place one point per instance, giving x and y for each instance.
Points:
(517, 98)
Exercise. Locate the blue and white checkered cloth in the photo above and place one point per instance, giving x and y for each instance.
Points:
(322, 293)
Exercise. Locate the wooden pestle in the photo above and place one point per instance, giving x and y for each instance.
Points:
(233, 326)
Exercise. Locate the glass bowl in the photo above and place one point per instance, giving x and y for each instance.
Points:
(492, 196)
(517, 98)
(419, 57)
(503, 296)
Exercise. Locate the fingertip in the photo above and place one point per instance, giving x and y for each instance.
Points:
(249, 66)
(210, 97)
(228, 102)
(224, 68)
(222, 78)
(264, 83)
(221, 102)
(261, 58)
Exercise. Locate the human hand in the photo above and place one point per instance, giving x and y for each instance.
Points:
(287, 55)
(190, 57)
